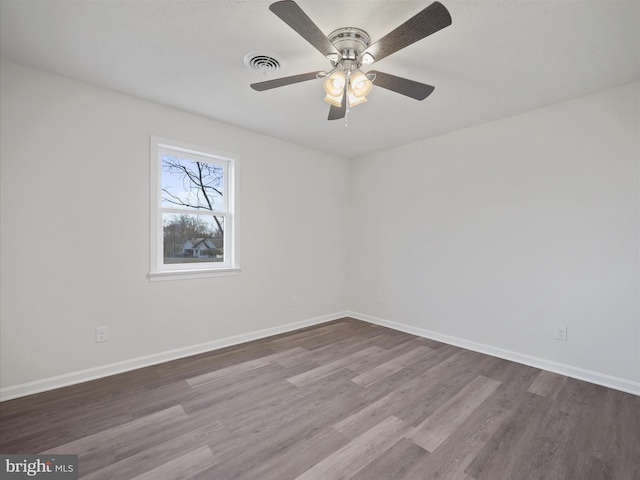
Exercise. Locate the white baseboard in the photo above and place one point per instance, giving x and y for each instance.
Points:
(597, 378)
(80, 376)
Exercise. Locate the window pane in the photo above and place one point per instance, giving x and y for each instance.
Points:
(191, 184)
(192, 238)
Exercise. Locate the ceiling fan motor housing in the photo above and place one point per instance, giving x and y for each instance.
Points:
(350, 42)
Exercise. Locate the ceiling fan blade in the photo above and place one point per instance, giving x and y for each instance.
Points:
(291, 14)
(404, 86)
(336, 113)
(281, 82)
(433, 18)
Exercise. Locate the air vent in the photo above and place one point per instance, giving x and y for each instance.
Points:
(263, 62)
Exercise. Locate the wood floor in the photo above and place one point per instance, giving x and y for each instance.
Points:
(342, 400)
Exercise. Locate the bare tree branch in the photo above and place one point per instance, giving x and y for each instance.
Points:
(201, 184)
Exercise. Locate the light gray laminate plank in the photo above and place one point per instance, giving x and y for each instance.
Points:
(344, 346)
(211, 377)
(48, 435)
(441, 389)
(314, 332)
(416, 388)
(269, 414)
(271, 435)
(140, 462)
(299, 457)
(388, 340)
(294, 356)
(181, 468)
(231, 370)
(610, 431)
(428, 363)
(318, 336)
(341, 346)
(372, 361)
(451, 369)
(358, 453)
(506, 453)
(503, 370)
(390, 367)
(437, 427)
(326, 370)
(515, 378)
(586, 467)
(461, 476)
(448, 377)
(547, 384)
(100, 449)
(84, 414)
(248, 388)
(393, 463)
(130, 432)
(545, 447)
(561, 456)
(378, 410)
(454, 455)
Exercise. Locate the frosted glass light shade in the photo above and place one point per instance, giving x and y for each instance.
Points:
(360, 84)
(353, 100)
(334, 84)
(334, 100)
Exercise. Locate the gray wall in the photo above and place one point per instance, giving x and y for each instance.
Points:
(75, 232)
(494, 234)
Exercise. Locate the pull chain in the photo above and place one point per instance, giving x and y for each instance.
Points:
(346, 100)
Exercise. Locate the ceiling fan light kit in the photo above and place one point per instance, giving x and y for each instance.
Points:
(349, 48)
(356, 83)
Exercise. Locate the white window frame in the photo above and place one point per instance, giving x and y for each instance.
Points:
(158, 270)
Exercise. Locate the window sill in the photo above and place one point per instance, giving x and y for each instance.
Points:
(189, 274)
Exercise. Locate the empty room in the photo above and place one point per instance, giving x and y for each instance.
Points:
(358, 239)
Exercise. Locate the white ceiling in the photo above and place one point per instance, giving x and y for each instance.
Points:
(498, 58)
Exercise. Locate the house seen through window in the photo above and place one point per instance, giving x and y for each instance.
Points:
(194, 215)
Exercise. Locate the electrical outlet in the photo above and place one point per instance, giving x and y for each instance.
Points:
(561, 333)
(293, 302)
(378, 298)
(102, 334)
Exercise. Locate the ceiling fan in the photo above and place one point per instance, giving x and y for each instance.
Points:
(349, 48)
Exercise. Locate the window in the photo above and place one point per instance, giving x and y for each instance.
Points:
(192, 211)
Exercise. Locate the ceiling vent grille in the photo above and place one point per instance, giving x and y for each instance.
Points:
(263, 62)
